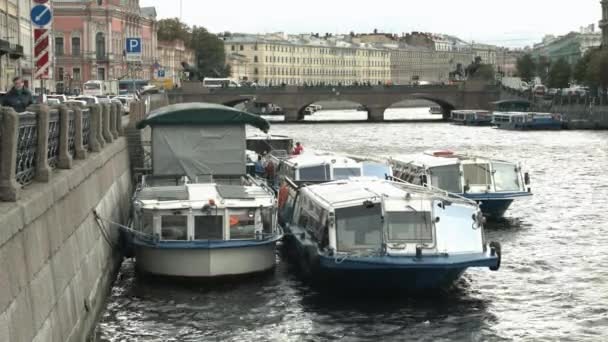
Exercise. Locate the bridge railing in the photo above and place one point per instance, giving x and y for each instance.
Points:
(36, 142)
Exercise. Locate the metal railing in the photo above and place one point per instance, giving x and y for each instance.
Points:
(27, 148)
(86, 128)
(54, 130)
(72, 134)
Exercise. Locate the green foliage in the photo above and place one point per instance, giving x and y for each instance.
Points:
(526, 67)
(559, 74)
(579, 73)
(171, 29)
(210, 54)
(542, 68)
(597, 69)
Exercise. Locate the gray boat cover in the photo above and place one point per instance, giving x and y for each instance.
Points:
(198, 150)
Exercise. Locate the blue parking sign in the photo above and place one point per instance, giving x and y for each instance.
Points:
(133, 45)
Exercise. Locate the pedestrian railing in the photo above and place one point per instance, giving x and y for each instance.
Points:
(35, 142)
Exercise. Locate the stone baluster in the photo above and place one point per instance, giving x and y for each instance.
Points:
(96, 142)
(65, 159)
(114, 120)
(119, 128)
(133, 110)
(107, 135)
(43, 170)
(81, 153)
(9, 188)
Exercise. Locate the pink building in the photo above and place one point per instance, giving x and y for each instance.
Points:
(89, 41)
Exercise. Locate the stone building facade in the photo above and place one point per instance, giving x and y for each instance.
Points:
(89, 41)
(16, 42)
(171, 54)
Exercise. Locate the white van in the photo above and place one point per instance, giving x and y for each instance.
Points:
(219, 83)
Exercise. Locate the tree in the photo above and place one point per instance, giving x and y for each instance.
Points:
(171, 29)
(210, 54)
(559, 74)
(526, 67)
(579, 73)
(542, 68)
(597, 69)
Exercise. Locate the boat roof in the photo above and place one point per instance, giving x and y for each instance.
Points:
(268, 137)
(466, 111)
(204, 114)
(199, 195)
(316, 158)
(523, 114)
(355, 191)
(429, 159)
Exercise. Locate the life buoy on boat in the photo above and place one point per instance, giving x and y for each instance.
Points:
(443, 153)
(496, 249)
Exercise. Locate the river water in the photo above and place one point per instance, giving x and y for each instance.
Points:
(553, 283)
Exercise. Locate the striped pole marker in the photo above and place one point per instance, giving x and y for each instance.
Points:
(42, 53)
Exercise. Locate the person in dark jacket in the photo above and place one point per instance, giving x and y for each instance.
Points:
(19, 97)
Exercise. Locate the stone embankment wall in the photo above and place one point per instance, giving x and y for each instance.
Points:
(58, 165)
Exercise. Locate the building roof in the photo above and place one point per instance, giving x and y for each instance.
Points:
(206, 114)
(149, 12)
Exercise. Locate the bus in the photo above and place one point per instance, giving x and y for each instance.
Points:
(209, 82)
(99, 88)
(131, 86)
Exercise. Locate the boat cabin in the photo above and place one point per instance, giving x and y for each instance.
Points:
(380, 217)
(526, 120)
(471, 116)
(319, 167)
(511, 105)
(270, 143)
(460, 173)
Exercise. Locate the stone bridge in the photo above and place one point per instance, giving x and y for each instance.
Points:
(376, 99)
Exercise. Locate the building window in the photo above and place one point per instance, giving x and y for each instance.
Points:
(60, 73)
(232, 48)
(59, 46)
(100, 45)
(255, 59)
(76, 74)
(101, 74)
(241, 47)
(75, 46)
(255, 71)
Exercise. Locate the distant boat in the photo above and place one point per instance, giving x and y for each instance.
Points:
(436, 110)
(493, 183)
(472, 117)
(376, 234)
(527, 121)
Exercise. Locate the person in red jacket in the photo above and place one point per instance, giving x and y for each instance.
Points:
(298, 149)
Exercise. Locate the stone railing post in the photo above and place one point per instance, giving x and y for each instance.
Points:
(81, 153)
(65, 159)
(133, 110)
(9, 121)
(119, 128)
(107, 135)
(96, 142)
(43, 171)
(114, 118)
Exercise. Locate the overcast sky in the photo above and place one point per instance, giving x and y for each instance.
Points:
(513, 23)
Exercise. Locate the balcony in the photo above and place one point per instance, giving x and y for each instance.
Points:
(16, 52)
(5, 47)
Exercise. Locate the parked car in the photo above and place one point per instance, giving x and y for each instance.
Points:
(52, 101)
(60, 98)
(88, 99)
(79, 103)
(539, 90)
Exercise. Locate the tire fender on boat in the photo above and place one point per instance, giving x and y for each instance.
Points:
(496, 249)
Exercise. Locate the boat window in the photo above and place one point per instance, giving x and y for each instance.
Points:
(414, 226)
(315, 173)
(476, 174)
(346, 172)
(210, 227)
(174, 227)
(147, 223)
(359, 228)
(242, 224)
(446, 178)
(267, 220)
(506, 177)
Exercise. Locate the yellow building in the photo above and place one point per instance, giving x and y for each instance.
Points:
(305, 60)
(171, 54)
(417, 64)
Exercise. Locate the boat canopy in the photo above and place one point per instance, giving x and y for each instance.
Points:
(205, 114)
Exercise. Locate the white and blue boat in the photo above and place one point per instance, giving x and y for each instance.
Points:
(492, 183)
(197, 213)
(470, 117)
(527, 121)
(369, 233)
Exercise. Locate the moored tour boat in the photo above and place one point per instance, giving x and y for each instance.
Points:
(527, 121)
(197, 214)
(493, 183)
(436, 110)
(369, 233)
(472, 117)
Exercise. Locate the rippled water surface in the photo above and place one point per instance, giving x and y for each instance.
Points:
(553, 283)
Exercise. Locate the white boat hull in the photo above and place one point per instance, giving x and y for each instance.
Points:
(205, 262)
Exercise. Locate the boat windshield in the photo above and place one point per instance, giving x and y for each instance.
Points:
(446, 178)
(174, 227)
(242, 224)
(346, 172)
(409, 226)
(506, 177)
(359, 228)
(209, 227)
(477, 174)
(315, 173)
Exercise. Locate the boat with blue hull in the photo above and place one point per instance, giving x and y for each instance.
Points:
(527, 121)
(369, 233)
(197, 213)
(492, 183)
